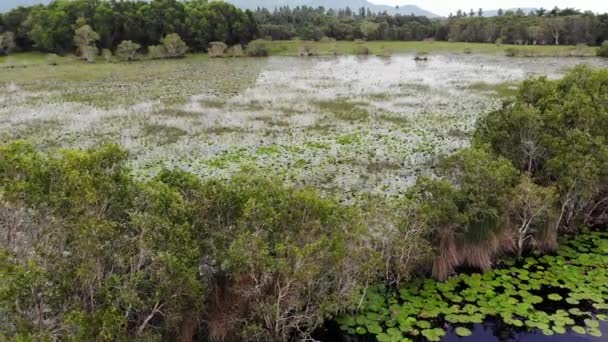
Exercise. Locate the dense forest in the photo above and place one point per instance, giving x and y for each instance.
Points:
(88, 252)
(51, 28)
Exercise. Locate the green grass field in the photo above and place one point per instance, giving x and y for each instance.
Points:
(292, 48)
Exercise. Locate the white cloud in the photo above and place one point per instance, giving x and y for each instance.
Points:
(445, 8)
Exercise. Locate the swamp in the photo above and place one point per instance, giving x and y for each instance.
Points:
(347, 125)
(360, 130)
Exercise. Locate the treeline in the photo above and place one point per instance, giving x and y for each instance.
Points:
(87, 252)
(51, 28)
(557, 27)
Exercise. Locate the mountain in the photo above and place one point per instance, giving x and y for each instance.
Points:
(6, 5)
(335, 4)
(493, 13)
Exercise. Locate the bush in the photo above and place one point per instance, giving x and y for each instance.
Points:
(52, 59)
(107, 55)
(157, 52)
(217, 49)
(183, 251)
(361, 50)
(127, 50)
(235, 51)
(307, 49)
(603, 50)
(258, 48)
(174, 46)
(7, 42)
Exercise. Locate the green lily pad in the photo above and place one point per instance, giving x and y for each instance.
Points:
(433, 335)
(554, 297)
(594, 332)
(591, 323)
(462, 331)
(579, 330)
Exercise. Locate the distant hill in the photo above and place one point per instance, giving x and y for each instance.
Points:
(493, 13)
(335, 4)
(6, 5)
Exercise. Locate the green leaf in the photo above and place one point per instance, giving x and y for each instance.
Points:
(461, 331)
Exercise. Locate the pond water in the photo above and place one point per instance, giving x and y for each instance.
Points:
(562, 297)
(346, 125)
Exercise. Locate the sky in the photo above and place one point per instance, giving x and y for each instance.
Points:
(447, 7)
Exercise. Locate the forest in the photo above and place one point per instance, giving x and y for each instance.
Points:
(50, 28)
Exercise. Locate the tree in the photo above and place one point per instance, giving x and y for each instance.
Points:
(556, 27)
(535, 32)
(531, 209)
(85, 36)
(369, 29)
(603, 50)
(174, 46)
(127, 50)
(85, 39)
(7, 43)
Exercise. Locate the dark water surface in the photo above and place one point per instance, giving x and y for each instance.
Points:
(489, 331)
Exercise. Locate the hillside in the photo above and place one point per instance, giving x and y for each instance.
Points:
(353, 4)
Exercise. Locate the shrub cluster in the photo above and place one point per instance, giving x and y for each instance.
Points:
(112, 258)
(538, 166)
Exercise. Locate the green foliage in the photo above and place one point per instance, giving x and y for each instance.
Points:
(127, 50)
(426, 307)
(603, 50)
(257, 48)
(174, 46)
(556, 132)
(7, 43)
(112, 258)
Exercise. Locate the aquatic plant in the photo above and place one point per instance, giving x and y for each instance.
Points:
(517, 294)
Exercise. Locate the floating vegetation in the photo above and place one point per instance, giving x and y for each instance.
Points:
(368, 126)
(529, 294)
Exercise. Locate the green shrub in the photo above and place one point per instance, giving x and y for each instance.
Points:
(217, 49)
(258, 48)
(157, 52)
(174, 46)
(127, 50)
(169, 252)
(603, 50)
(361, 50)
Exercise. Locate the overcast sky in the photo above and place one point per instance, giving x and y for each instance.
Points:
(446, 7)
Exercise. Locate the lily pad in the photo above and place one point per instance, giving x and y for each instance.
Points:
(462, 331)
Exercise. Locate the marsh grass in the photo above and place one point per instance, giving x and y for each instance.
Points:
(107, 85)
(163, 134)
(505, 89)
(395, 119)
(344, 109)
(292, 48)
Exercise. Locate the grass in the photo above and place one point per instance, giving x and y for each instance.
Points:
(292, 48)
(110, 84)
(344, 109)
(505, 89)
(163, 134)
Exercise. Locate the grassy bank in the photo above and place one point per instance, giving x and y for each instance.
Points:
(292, 48)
